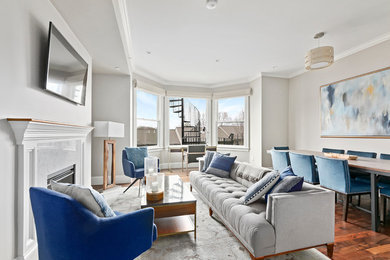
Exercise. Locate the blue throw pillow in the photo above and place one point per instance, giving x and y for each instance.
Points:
(257, 190)
(288, 184)
(209, 157)
(285, 173)
(137, 155)
(221, 165)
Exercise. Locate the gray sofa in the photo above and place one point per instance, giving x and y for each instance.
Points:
(287, 222)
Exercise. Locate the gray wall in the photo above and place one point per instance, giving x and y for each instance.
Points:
(304, 101)
(111, 102)
(24, 27)
(274, 115)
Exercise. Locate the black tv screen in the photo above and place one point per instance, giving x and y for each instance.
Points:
(66, 69)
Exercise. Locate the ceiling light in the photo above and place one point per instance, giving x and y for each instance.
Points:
(148, 52)
(117, 68)
(320, 57)
(211, 4)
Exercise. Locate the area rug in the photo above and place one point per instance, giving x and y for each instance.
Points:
(213, 241)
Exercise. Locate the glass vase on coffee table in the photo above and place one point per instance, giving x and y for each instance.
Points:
(154, 179)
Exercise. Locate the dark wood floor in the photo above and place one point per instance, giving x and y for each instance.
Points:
(354, 238)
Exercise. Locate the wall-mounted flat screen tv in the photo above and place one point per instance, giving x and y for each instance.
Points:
(66, 70)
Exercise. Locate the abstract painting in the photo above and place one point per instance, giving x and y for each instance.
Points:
(357, 107)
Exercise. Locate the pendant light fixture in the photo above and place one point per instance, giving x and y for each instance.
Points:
(320, 57)
(211, 4)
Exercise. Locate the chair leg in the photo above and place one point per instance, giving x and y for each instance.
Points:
(131, 185)
(358, 200)
(139, 187)
(335, 197)
(345, 207)
(384, 210)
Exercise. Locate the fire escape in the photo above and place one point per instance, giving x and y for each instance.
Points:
(190, 129)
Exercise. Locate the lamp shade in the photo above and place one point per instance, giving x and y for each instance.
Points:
(108, 129)
(319, 58)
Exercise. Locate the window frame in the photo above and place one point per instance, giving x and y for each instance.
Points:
(208, 119)
(245, 146)
(158, 120)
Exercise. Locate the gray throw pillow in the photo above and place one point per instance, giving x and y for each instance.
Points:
(87, 197)
(288, 184)
(260, 188)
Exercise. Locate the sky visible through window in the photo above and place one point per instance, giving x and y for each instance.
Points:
(234, 107)
(200, 104)
(146, 107)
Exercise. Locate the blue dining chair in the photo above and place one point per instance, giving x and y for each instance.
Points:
(133, 164)
(334, 175)
(280, 160)
(384, 156)
(304, 166)
(67, 230)
(362, 154)
(331, 150)
(281, 148)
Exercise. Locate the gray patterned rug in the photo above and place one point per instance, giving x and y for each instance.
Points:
(213, 241)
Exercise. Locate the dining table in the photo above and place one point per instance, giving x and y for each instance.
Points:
(374, 166)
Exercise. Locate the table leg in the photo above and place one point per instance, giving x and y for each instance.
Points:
(374, 203)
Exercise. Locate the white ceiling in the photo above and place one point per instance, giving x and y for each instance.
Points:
(94, 23)
(247, 37)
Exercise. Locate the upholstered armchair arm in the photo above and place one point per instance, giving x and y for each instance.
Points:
(124, 236)
(128, 168)
(302, 219)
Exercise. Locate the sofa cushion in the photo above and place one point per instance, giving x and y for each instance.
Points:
(286, 172)
(247, 174)
(88, 197)
(221, 165)
(260, 188)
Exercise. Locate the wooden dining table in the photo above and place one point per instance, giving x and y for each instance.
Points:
(374, 167)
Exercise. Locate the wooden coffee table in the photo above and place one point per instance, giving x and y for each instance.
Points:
(172, 213)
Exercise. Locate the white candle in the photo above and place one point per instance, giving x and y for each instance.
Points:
(154, 186)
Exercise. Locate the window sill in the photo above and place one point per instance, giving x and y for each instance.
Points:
(233, 148)
(155, 148)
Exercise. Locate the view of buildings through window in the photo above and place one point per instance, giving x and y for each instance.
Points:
(147, 119)
(231, 119)
(187, 121)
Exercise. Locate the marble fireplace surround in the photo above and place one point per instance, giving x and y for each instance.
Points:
(43, 147)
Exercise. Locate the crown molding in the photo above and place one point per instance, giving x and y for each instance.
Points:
(122, 19)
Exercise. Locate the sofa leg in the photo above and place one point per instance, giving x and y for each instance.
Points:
(329, 250)
(345, 207)
(210, 212)
(190, 187)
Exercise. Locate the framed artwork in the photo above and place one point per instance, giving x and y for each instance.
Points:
(357, 106)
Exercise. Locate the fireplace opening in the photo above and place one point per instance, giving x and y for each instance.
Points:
(66, 175)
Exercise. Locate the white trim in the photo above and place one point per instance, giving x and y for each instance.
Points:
(30, 136)
(122, 19)
(238, 148)
(220, 94)
(189, 94)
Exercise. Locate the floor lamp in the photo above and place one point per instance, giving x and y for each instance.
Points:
(108, 129)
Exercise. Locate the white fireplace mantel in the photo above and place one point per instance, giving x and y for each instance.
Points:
(44, 147)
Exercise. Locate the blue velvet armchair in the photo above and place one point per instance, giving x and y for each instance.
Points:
(67, 230)
(134, 167)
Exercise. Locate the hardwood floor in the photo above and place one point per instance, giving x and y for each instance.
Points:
(353, 239)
